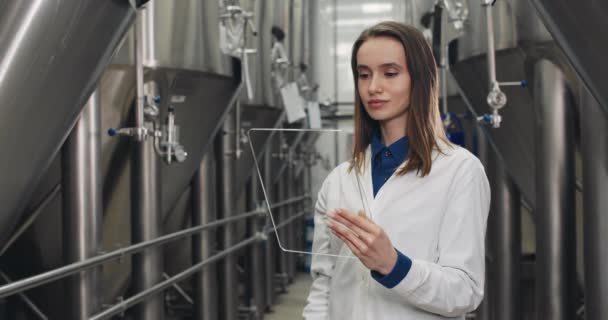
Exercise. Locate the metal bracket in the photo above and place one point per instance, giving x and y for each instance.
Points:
(179, 289)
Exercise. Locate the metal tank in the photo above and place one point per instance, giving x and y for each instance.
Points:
(182, 57)
(207, 93)
(52, 57)
(576, 27)
(526, 140)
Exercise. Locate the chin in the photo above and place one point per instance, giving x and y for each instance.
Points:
(379, 115)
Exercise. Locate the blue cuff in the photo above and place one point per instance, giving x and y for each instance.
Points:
(402, 267)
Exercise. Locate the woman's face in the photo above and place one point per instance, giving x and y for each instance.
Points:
(384, 81)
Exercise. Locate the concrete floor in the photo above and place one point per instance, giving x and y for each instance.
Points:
(291, 304)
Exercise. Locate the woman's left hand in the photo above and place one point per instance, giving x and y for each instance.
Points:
(366, 240)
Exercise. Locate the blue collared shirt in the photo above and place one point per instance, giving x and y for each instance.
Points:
(385, 160)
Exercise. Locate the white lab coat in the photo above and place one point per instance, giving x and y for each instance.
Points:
(438, 221)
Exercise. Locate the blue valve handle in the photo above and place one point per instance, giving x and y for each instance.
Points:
(112, 132)
(524, 83)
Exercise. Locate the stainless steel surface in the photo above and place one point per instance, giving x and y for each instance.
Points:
(254, 116)
(297, 34)
(513, 140)
(181, 34)
(157, 289)
(204, 199)
(256, 273)
(555, 223)
(206, 97)
(179, 290)
(48, 68)
(82, 209)
(270, 243)
(229, 281)
(594, 148)
(50, 196)
(26, 300)
(146, 210)
(59, 273)
(287, 221)
(290, 182)
(280, 215)
(491, 50)
(483, 310)
(139, 41)
(575, 25)
(504, 242)
(529, 27)
(200, 116)
(475, 40)
(147, 267)
(266, 14)
(482, 151)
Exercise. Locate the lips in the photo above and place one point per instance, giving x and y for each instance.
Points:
(375, 104)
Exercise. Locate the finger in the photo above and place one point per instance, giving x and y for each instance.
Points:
(361, 222)
(349, 244)
(363, 214)
(332, 223)
(366, 260)
(360, 232)
(356, 241)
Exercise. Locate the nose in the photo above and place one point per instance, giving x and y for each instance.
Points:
(374, 86)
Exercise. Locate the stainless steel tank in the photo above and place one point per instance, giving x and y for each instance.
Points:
(52, 56)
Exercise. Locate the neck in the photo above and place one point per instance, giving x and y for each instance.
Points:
(393, 130)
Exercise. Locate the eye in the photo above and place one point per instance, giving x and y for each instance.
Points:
(391, 74)
(363, 75)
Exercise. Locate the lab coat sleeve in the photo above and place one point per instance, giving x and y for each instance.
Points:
(321, 266)
(454, 284)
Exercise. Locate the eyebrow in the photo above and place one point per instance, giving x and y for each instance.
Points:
(384, 65)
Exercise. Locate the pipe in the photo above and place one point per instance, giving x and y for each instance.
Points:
(286, 222)
(203, 244)
(594, 134)
(443, 65)
(59, 273)
(270, 242)
(26, 300)
(139, 43)
(141, 297)
(281, 215)
(504, 288)
(289, 201)
(257, 253)
(291, 228)
(179, 290)
(230, 303)
(82, 210)
(491, 49)
(482, 152)
(147, 267)
(555, 220)
(300, 223)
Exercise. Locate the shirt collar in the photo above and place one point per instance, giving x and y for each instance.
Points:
(398, 149)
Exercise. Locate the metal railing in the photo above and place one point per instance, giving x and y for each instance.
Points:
(70, 269)
(122, 306)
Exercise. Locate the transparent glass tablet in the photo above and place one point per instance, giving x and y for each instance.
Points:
(291, 152)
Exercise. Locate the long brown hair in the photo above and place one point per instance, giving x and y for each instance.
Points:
(424, 126)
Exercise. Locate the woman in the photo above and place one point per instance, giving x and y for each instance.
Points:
(420, 248)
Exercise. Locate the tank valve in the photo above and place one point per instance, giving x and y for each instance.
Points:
(169, 147)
